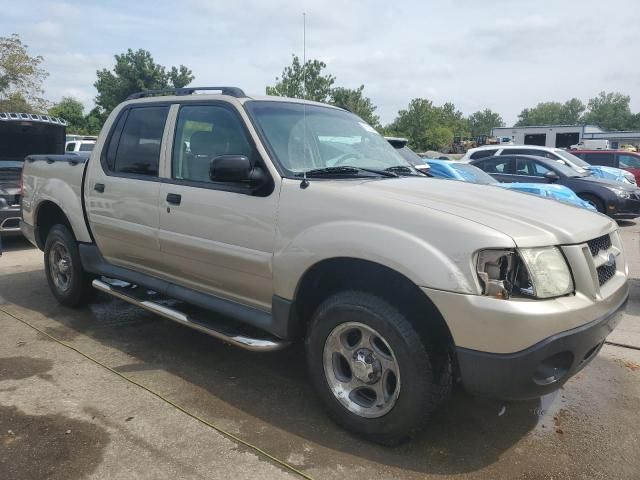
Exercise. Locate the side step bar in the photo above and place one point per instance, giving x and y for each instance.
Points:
(234, 338)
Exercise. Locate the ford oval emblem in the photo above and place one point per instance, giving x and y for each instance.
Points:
(611, 260)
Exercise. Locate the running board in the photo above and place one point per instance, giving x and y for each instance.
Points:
(234, 338)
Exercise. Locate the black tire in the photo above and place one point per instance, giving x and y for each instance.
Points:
(420, 389)
(595, 201)
(77, 290)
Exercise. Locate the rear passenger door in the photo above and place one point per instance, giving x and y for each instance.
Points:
(529, 170)
(122, 189)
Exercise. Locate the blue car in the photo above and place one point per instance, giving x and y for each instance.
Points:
(468, 173)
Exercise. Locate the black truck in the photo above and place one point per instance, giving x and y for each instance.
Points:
(23, 134)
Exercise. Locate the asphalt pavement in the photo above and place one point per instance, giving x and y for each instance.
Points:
(111, 391)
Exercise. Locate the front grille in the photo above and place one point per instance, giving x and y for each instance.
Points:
(606, 273)
(598, 244)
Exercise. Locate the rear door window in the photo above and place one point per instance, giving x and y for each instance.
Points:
(606, 159)
(483, 153)
(137, 148)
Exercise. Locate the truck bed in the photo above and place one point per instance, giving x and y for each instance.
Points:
(59, 179)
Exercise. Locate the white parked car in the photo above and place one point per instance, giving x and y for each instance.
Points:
(558, 154)
(85, 144)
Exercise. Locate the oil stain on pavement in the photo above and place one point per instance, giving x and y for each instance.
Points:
(48, 446)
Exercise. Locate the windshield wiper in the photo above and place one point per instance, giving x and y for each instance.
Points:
(344, 170)
(402, 170)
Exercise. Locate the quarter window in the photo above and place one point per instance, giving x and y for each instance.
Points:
(203, 133)
(136, 148)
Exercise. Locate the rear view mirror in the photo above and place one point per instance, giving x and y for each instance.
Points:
(235, 169)
(551, 175)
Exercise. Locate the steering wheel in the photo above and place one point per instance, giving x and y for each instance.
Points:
(341, 160)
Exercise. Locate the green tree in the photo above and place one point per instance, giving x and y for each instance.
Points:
(552, 113)
(21, 77)
(133, 72)
(308, 81)
(483, 121)
(356, 102)
(438, 137)
(611, 111)
(428, 126)
(72, 111)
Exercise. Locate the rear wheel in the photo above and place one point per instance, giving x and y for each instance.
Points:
(594, 202)
(372, 369)
(68, 281)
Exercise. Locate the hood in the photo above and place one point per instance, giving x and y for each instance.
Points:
(529, 220)
(611, 183)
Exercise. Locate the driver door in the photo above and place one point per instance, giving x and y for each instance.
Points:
(215, 237)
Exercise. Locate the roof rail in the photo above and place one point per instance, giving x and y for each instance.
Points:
(231, 91)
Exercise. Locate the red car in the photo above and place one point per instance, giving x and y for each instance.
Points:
(629, 161)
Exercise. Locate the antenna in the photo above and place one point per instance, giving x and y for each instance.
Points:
(305, 183)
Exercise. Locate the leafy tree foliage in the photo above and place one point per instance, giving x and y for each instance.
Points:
(133, 72)
(552, 113)
(481, 122)
(356, 102)
(72, 111)
(304, 81)
(21, 77)
(428, 127)
(610, 111)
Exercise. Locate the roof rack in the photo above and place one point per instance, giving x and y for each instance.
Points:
(231, 91)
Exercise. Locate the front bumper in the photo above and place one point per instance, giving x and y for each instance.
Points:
(624, 206)
(10, 218)
(541, 368)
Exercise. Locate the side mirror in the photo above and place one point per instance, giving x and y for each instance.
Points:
(235, 169)
(551, 175)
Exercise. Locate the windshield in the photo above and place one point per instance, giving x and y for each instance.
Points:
(571, 158)
(306, 137)
(568, 171)
(412, 157)
(473, 174)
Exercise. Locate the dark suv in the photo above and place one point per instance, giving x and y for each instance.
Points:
(606, 196)
(629, 161)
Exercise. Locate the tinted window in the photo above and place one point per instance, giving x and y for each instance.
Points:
(531, 168)
(138, 147)
(483, 153)
(606, 159)
(71, 147)
(628, 161)
(203, 133)
(496, 165)
(87, 147)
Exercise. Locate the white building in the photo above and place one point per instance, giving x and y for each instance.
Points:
(563, 136)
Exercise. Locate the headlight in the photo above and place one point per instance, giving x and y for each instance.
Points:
(549, 272)
(533, 272)
(621, 193)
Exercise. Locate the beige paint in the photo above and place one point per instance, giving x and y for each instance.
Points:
(249, 248)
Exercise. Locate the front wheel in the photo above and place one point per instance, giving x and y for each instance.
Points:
(371, 368)
(594, 201)
(68, 281)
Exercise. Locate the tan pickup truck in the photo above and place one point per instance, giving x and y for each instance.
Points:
(284, 220)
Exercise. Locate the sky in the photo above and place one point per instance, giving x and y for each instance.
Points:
(500, 54)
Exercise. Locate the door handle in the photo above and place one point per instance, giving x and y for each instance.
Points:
(99, 187)
(174, 198)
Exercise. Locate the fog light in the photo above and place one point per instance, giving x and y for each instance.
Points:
(553, 368)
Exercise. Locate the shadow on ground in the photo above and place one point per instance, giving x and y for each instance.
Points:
(15, 244)
(267, 397)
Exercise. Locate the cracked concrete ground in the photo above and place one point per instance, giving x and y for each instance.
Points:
(64, 416)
